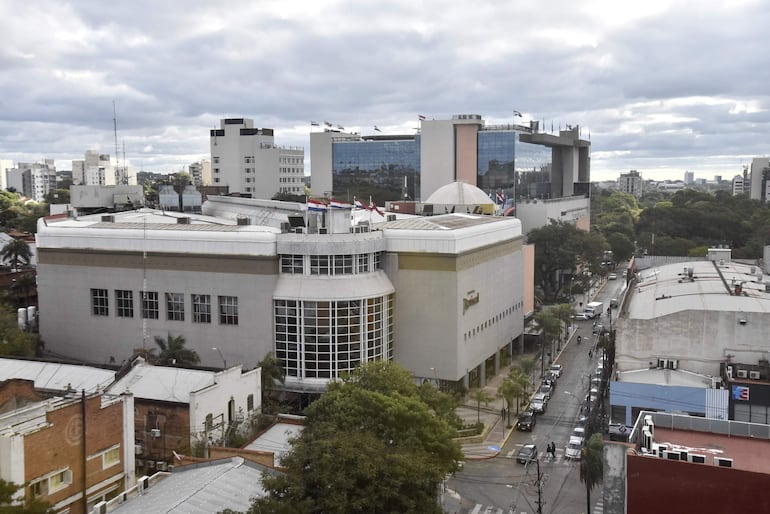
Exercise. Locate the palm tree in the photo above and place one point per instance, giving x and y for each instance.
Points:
(513, 388)
(526, 365)
(565, 312)
(173, 351)
(16, 251)
(592, 465)
(23, 286)
(551, 328)
(479, 396)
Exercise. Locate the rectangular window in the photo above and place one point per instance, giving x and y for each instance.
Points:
(292, 264)
(215, 160)
(100, 302)
(201, 305)
(150, 306)
(228, 310)
(175, 306)
(124, 301)
(378, 260)
(111, 457)
(319, 264)
(343, 264)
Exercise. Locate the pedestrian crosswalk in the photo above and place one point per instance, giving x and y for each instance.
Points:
(480, 509)
(599, 507)
(544, 457)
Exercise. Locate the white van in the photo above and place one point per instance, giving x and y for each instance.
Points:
(574, 446)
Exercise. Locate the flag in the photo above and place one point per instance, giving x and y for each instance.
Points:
(500, 197)
(741, 393)
(420, 117)
(316, 206)
(376, 129)
(359, 204)
(516, 113)
(373, 207)
(315, 124)
(337, 204)
(327, 124)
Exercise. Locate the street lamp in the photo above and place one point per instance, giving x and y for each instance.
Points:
(435, 377)
(224, 362)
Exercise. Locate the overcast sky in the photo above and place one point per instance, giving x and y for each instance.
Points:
(661, 86)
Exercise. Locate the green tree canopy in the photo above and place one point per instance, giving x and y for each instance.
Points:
(16, 251)
(592, 465)
(7, 492)
(369, 445)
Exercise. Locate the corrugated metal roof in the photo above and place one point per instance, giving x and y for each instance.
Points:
(56, 377)
(201, 489)
(163, 383)
(276, 440)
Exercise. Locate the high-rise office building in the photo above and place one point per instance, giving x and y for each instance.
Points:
(248, 162)
(689, 177)
(33, 180)
(760, 178)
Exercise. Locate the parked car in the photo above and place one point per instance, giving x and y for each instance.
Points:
(527, 421)
(598, 328)
(545, 389)
(527, 453)
(579, 432)
(582, 316)
(556, 370)
(581, 421)
(593, 395)
(612, 276)
(574, 448)
(538, 403)
(550, 379)
(614, 303)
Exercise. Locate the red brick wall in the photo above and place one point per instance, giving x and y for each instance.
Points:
(61, 445)
(17, 392)
(662, 486)
(174, 424)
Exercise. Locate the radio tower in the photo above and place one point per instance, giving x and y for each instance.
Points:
(115, 129)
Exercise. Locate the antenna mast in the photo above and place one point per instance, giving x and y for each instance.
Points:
(115, 129)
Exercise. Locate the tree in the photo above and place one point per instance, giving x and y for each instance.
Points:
(513, 388)
(173, 352)
(551, 330)
(7, 492)
(564, 312)
(24, 284)
(526, 365)
(16, 251)
(272, 371)
(592, 465)
(369, 445)
(480, 396)
(13, 340)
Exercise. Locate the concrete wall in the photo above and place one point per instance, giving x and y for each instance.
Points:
(69, 328)
(699, 339)
(466, 153)
(437, 156)
(537, 213)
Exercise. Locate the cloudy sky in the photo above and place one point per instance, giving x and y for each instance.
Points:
(661, 86)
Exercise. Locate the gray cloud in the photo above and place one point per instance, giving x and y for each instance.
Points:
(661, 86)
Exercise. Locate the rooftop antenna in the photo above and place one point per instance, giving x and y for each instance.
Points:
(115, 129)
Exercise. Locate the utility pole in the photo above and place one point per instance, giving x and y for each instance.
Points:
(539, 489)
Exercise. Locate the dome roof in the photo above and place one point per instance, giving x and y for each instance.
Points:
(459, 193)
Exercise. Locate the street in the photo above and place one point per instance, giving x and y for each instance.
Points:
(501, 485)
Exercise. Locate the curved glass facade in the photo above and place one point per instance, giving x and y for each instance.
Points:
(502, 156)
(326, 339)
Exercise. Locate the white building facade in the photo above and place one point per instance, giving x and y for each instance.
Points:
(247, 160)
(442, 295)
(33, 180)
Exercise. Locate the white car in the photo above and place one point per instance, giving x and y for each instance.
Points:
(582, 316)
(556, 370)
(574, 446)
(579, 432)
(612, 276)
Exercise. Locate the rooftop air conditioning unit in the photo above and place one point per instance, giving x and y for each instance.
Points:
(184, 220)
(672, 364)
(742, 373)
(697, 459)
(323, 230)
(285, 226)
(754, 375)
(100, 508)
(243, 220)
(138, 449)
(390, 217)
(155, 432)
(108, 218)
(723, 463)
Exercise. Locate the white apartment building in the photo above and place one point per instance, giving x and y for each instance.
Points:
(200, 171)
(247, 160)
(95, 170)
(738, 185)
(33, 180)
(760, 175)
(5, 165)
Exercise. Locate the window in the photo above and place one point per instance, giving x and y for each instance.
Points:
(175, 306)
(124, 301)
(363, 262)
(343, 264)
(100, 302)
(250, 403)
(150, 306)
(51, 483)
(378, 260)
(228, 310)
(216, 179)
(292, 264)
(201, 306)
(215, 160)
(319, 264)
(111, 457)
(209, 423)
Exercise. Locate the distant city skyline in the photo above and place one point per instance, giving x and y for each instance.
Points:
(657, 86)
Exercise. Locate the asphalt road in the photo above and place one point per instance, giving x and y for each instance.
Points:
(501, 485)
